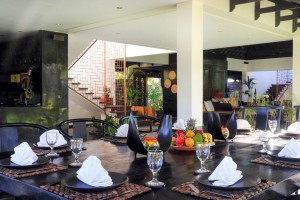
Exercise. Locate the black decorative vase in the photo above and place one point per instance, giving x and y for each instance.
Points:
(164, 135)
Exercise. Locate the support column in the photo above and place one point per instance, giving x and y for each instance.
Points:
(296, 70)
(190, 60)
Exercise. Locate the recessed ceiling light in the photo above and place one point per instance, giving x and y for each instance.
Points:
(220, 31)
(58, 24)
(119, 7)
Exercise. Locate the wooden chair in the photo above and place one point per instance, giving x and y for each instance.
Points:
(145, 123)
(13, 134)
(214, 126)
(81, 128)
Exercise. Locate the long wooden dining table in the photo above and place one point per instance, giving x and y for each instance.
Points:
(178, 168)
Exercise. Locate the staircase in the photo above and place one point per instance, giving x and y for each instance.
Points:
(273, 92)
(94, 70)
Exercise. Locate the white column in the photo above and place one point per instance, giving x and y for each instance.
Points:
(190, 60)
(296, 70)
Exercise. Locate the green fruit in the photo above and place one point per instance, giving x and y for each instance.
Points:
(198, 138)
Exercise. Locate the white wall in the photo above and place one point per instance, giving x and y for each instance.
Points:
(81, 108)
(263, 81)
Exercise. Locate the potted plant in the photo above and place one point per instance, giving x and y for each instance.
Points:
(106, 91)
(249, 83)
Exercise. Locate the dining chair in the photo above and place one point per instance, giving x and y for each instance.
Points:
(214, 125)
(86, 128)
(146, 124)
(13, 134)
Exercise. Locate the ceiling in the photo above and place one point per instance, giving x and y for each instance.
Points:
(150, 23)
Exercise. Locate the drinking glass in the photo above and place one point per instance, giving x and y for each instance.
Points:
(51, 139)
(272, 125)
(76, 147)
(264, 138)
(155, 161)
(202, 151)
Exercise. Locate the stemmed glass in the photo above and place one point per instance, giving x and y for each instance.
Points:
(264, 138)
(272, 125)
(202, 151)
(51, 139)
(155, 161)
(76, 147)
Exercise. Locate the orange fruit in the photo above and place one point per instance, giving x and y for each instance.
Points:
(190, 133)
(189, 142)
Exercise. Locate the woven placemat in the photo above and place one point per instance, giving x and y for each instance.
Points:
(267, 161)
(63, 191)
(42, 152)
(20, 173)
(238, 195)
(114, 140)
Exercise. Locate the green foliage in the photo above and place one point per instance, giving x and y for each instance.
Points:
(108, 130)
(131, 92)
(249, 83)
(154, 94)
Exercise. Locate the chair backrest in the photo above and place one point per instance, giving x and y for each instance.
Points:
(145, 123)
(12, 134)
(83, 127)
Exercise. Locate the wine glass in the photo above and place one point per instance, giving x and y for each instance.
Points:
(51, 139)
(155, 161)
(202, 151)
(76, 147)
(272, 125)
(264, 138)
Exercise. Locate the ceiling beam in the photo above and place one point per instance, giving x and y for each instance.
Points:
(233, 3)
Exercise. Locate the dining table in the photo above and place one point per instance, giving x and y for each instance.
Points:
(177, 172)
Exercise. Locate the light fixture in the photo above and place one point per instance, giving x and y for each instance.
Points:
(58, 24)
(119, 7)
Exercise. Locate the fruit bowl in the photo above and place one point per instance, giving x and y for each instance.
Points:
(187, 140)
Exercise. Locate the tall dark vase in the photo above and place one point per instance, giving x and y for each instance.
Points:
(133, 137)
(164, 133)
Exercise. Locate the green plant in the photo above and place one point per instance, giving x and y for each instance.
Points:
(109, 130)
(154, 94)
(131, 92)
(249, 83)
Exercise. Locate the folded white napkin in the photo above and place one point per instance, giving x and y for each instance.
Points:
(225, 174)
(60, 139)
(122, 131)
(294, 128)
(179, 124)
(92, 173)
(23, 155)
(291, 149)
(243, 124)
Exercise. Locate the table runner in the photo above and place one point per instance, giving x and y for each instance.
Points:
(47, 168)
(114, 140)
(42, 152)
(240, 195)
(63, 191)
(269, 161)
